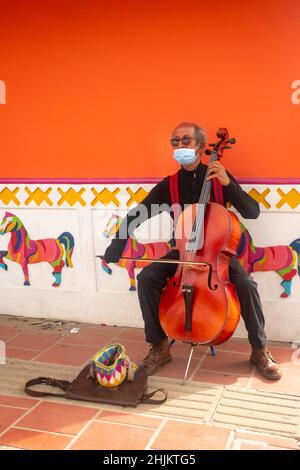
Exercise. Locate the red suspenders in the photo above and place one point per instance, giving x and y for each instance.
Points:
(218, 191)
(174, 193)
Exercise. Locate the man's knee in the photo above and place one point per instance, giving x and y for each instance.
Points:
(150, 280)
(145, 279)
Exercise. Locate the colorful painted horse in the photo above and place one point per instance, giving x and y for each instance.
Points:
(280, 258)
(133, 249)
(24, 251)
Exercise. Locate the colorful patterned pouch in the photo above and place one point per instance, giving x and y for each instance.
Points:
(111, 366)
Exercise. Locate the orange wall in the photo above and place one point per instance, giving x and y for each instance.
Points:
(94, 88)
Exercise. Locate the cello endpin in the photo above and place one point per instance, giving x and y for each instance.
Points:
(188, 365)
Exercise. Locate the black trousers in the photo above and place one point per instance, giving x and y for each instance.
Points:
(152, 279)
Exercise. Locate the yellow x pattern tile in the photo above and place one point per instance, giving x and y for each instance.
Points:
(71, 196)
(292, 198)
(106, 197)
(136, 196)
(260, 197)
(7, 196)
(38, 196)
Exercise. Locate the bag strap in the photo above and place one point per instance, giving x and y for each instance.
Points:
(147, 397)
(63, 384)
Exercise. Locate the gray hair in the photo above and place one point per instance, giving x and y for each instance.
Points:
(199, 132)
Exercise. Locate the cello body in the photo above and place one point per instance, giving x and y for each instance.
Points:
(199, 305)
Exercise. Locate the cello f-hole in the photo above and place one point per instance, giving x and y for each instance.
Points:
(209, 279)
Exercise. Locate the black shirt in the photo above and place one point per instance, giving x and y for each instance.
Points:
(189, 186)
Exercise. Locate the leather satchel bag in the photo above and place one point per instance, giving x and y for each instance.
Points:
(86, 386)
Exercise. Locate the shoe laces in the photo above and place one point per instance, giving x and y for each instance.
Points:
(153, 351)
(266, 353)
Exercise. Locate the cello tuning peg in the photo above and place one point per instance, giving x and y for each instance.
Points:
(227, 147)
(232, 141)
(211, 145)
(208, 152)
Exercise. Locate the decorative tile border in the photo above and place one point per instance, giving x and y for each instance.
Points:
(271, 197)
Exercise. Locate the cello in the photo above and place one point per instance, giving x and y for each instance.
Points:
(199, 305)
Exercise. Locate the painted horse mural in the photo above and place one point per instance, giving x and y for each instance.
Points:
(25, 251)
(280, 258)
(133, 249)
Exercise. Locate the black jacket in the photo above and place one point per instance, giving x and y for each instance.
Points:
(190, 184)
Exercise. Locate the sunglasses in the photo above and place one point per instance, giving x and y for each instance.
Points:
(186, 140)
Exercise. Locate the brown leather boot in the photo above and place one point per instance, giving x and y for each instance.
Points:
(159, 355)
(263, 359)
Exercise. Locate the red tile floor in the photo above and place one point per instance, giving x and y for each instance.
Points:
(40, 424)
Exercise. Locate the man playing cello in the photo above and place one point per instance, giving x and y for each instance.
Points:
(189, 141)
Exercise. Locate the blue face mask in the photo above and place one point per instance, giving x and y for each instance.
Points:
(185, 156)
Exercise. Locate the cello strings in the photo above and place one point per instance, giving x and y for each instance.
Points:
(199, 221)
(199, 214)
(189, 254)
(198, 226)
(204, 197)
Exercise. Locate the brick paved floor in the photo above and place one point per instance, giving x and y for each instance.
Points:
(43, 424)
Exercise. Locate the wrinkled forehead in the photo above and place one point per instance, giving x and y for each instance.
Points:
(184, 130)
